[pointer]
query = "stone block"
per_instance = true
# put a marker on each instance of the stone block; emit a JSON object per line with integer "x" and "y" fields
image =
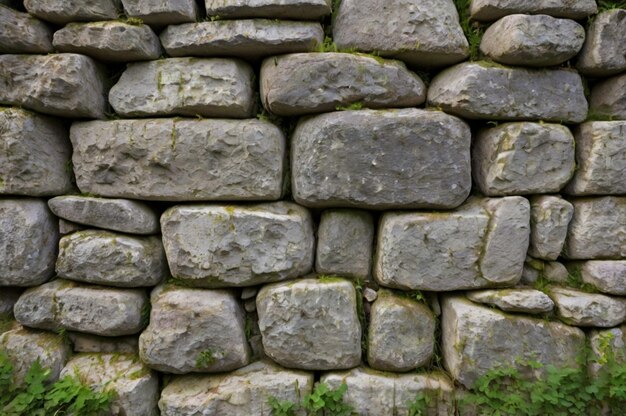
{"x": 608, "y": 276}
{"x": 61, "y": 12}
{"x": 162, "y": 12}
{"x": 578, "y": 308}
{"x": 604, "y": 52}
{"x": 22, "y": 33}
{"x": 271, "y": 9}
{"x": 549, "y": 218}
{"x": 514, "y": 300}
{"x": 488, "y": 10}
{"x": 608, "y": 98}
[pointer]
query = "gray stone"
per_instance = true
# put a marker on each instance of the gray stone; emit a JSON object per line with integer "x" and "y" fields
{"x": 109, "y": 41}
{"x": 135, "y": 387}
{"x": 426, "y": 34}
{"x": 249, "y": 292}
{"x": 480, "y": 90}
{"x": 242, "y": 392}
{"x": 608, "y": 98}
{"x": 488, "y": 10}
{"x": 95, "y": 343}
{"x": 22, "y": 33}
{"x": 65, "y": 85}
{"x": 194, "y": 330}
{"x": 549, "y": 218}
{"x": 368, "y": 159}
{"x": 608, "y": 276}
{"x": 597, "y": 230}
{"x": 306, "y": 83}
{"x": 604, "y": 52}
{"x": 223, "y": 246}
{"x": 481, "y": 244}
{"x": 554, "y": 271}
{"x": 531, "y": 272}
{"x": 369, "y": 294}
{"x": 272, "y": 9}
{"x": 66, "y": 11}
{"x": 8, "y": 297}
{"x": 514, "y": 300}
{"x": 310, "y": 324}
{"x": 162, "y": 12}
{"x": 579, "y": 308}
{"x": 75, "y": 307}
{"x": 123, "y": 215}
{"x": 111, "y": 259}
{"x": 601, "y": 159}
{"x": 477, "y": 339}
{"x": 344, "y": 243}
{"x": 401, "y": 334}
{"x": 213, "y": 87}
{"x": 523, "y": 158}
{"x": 605, "y": 344}
{"x": 250, "y": 39}
{"x": 28, "y": 242}
{"x": 68, "y": 227}
{"x": 180, "y": 160}
{"x": 35, "y": 154}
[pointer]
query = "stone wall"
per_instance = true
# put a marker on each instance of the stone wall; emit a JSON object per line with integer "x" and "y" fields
{"x": 231, "y": 200}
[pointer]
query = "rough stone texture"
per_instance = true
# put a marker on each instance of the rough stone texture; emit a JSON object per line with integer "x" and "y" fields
{"x": 162, "y": 12}
{"x": 194, "y": 330}
{"x": 523, "y": 158}
{"x": 608, "y": 276}
{"x": 549, "y": 218}
{"x": 34, "y": 154}
{"x": 95, "y": 343}
{"x": 369, "y": 159}
{"x": 604, "y": 52}
{"x": 186, "y": 87}
{"x": 68, "y": 227}
{"x": 95, "y": 310}
{"x": 111, "y": 259}
{"x": 426, "y": 34}
{"x": 180, "y": 160}
{"x": 514, "y": 300}
{"x": 555, "y": 272}
{"x": 479, "y": 90}
{"x": 588, "y": 309}
{"x": 344, "y": 243}
{"x": 242, "y": 392}
{"x": 220, "y": 246}
{"x": 401, "y": 334}
{"x": 109, "y": 41}
{"x": 597, "y": 229}
{"x": 136, "y": 388}
{"x": 65, "y": 85}
{"x": 28, "y": 242}
{"x": 310, "y": 324}
{"x": 608, "y": 98}
{"x": 488, "y": 10}
{"x": 22, "y": 33}
{"x": 601, "y": 159}
{"x": 123, "y": 215}
{"x": 477, "y": 339}
{"x": 272, "y": 9}
{"x": 374, "y": 393}
{"x": 482, "y": 244}
{"x": 8, "y": 297}
{"x": 249, "y": 39}
{"x": 604, "y": 342}
{"x": 306, "y": 83}
{"x": 66, "y": 11}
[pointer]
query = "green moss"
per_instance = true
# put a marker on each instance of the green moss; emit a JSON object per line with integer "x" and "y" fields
{"x": 205, "y": 358}
{"x": 330, "y": 279}
{"x": 6, "y": 322}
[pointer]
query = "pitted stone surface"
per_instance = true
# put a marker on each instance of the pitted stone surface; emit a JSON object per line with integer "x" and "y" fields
{"x": 608, "y": 98}
{"x": 579, "y": 308}
{"x": 608, "y": 276}
{"x": 487, "y": 10}
{"x": 369, "y": 159}
{"x": 549, "y": 218}
{"x": 272, "y": 9}
{"x": 66, "y": 11}
{"x": 179, "y": 160}
{"x": 514, "y": 300}
{"x": 162, "y": 12}
{"x": 22, "y": 33}
{"x": 604, "y": 52}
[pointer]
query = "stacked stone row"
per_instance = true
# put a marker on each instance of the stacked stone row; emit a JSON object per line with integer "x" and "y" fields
{"x": 257, "y": 279}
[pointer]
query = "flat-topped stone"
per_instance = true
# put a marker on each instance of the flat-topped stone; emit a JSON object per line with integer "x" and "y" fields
{"x": 608, "y": 98}
{"x": 549, "y": 218}
{"x": 579, "y": 308}
{"x": 608, "y": 276}
{"x": 23, "y": 33}
{"x": 488, "y": 10}
{"x": 604, "y": 52}
{"x": 514, "y": 300}
{"x": 66, "y": 11}
{"x": 163, "y": 12}
{"x": 271, "y": 9}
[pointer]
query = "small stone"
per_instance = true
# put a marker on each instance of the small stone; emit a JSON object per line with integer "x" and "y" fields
{"x": 310, "y": 324}
{"x": 272, "y": 9}
{"x": 22, "y": 33}
{"x": 162, "y": 12}
{"x": 608, "y": 98}
{"x": 604, "y": 52}
{"x": 531, "y": 272}
{"x": 514, "y": 300}
{"x": 122, "y": 215}
{"x": 608, "y": 276}
{"x": 8, "y": 297}
{"x": 489, "y": 10}
{"x": 555, "y": 272}
{"x": 370, "y": 294}
{"x": 68, "y": 227}
{"x": 66, "y": 11}
{"x": 605, "y": 343}
{"x": 250, "y": 305}
{"x": 549, "y": 218}
{"x": 212, "y": 87}
{"x": 249, "y": 292}
{"x": 588, "y": 309}
{"x": 194, "y": 330}
{"x": 94, "y": 343}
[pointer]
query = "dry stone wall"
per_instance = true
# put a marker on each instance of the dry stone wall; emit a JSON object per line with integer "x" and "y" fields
{"x": 224, "y": 202}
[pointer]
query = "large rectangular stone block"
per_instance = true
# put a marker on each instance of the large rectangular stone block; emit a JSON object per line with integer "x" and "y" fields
{"x": 604, "y": 52}
{"x": 66, "y": 11}
{"x": 271, "y": 9}
{"x": 22, "y": 33}
{"x": 162, "y": 12}
{"x": 488, "y": 10}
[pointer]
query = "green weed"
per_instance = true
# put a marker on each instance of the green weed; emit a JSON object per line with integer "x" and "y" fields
{"x": 353, "y": 106}
{"x": 473, "y": 31}
{"x": 205, "y": 358}
{"x": 323, "y": 401}
{"x": 282, "y": 407}
{"x": 604, "y": 5}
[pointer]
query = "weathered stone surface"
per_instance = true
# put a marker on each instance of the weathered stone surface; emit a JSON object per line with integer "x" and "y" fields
{"x": 368, "y": 159}
{"x": 601, "y": 159}
{"x": 480, "y": 90}
{"x": 22, "y": 33}
{"x": 194, "y": 330}
{"x": 597, "y": 229}
{"x": 65, "y": 85}
{"x": 306, "y": 83}
{"x": 477, "y": 339}
{"x": 608, "y": 98}
{"x": 8, "y": 297}
{"x": 554, "y": 271}
{"x": 604, "y": 52}
{"x": 401, "y": 334}
{"x": 523, "y": 158}
{"x": 95, "y": 343}
{"x": 249, "y": 39}
{"x": 514, "y": 300}
{"x": 213, "y": 87}
{"x": 481, "y": 244}
{"x": 310, "y": 324}
{"x": 135, "y": 387}
{"x": 180, "y": 160}
{"x": 111, "y": 259}
{"x": 344, "y": 243}
{"x": 588, "y": 309}
{"x": 605, "y": 343}
{"x": 163, "y": 12}
{"x": 34, "y": 154}
{"x": 66, "y": 11}
{"x": 28, "y": 242}
{"x": 242, "y": 392}
{"x": 527, "y": 40}
{"x": 487, "y": 10}
{"x": 272, "y": 9}
{"x": 69, "y": 305}
{"x": 549, "y": 218}
{"x": 426, "y": 34}
{"x": 608, "y": 276}
{"x": 109, "y": 41}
